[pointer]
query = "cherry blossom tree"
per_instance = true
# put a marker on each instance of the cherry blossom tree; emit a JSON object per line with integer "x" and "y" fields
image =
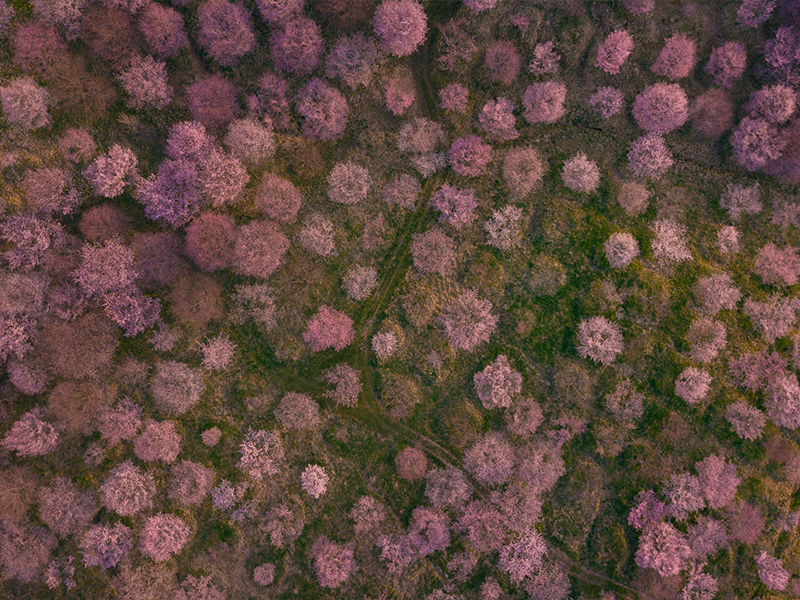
{"x": 693, "y": 385}
{"x": 524, "y": 417}
{"x": 677, "y": 58}
{"x": 218, "y": 353}
{"x": 347, "y": 382}
{"x": 298, "y": 411}
{"x": 545, "y": 59}
{"x": 485, "y": 526}
{"x": 614, "y": 51}
{"x": 397, "y": 551}
{"x": 276, "y": 12}
{"x": 782, "y": 402}
{"x": 712, "y": 112}
{"x": 447, "y": 488}
{"x": 251, "y": 142}
{"x": 261, "y": 451}
{"x": 778, "y": 266}
{"x": 649, "y": 156}
{"x": 278, "y": 198}
{"x": 428, "y": 530}
{"x": 454, "y": 97}
{"x": 456, "y": 205}
{"x": 190, "y": 483}
{"x": 329, "y": 328}
{"x": 607, "y": 101}
{"x": 25, "y": 103}
{"x": 259, "y": 249}
{"x": 773, "y": 317}
{"x": 663, "y": 548}
{"x": 771, "y": 572}
{"x": 621, "y": 249}
{"x": 348, "y": 183}
{"x": 625, "y": 402}
{"x": 399, "y": 94}
{"x": 599, "y": 340}
{"x": 400, "y": 26}
{"x": 323, "y": 109}
{"x": 660, "y": 108}
{"x": 264, "y": 574}
{"x": 65, "y": 508}
{"x": 746, "y": 421}
{"x": 717, "y": 292}
{"x": 498, "y": 121}
{"x": 581, "y": 174}
{"x": 404, "y": 190}
{"x": 504, "y": 228}
{"x": 145, "y": 81}
{"x": 498, "y": 384}
{"x": 706, "y": 338}
{"x": 111, "y": 172}
{"x": 163, "y": 536}
{"x": 544, "y": 102}
{"x": 411, "y": 463}
{"x": 775, "y": 104}
{"x": 384, "y": 344}
{"x": 213, "y": 100}
{"x": 31, "y": 436}
{"x": 467, "y": 321}
{"x": 353, "y": 59}
{"x": 163, "y": 29}
{"x": 158, "y": 441}
{"x": 176, "y": 387}
{"x": 756, "y": 143}
{"x": 727, "y": 63}
{"x": 333, "y": 563}
{"x": 752, "y": 13}
{"x": 523, "y": 557}
{"x": 106, "y": 545}
{"x": 502, "y": 62}
{"x": 685, "y": 495}
{"x": 669, "y": 243}
{"x": 469, "y": 156}
{"x": 128, "y": 490}
{"x": 718, "y": 480}
{"x": 314, "y": 481}
{"x": 368, "y": 514}
{"x": 522, "y": 171}
{"x": 297, "y": 46}
{"x": 210, "y": 239}
{"x": 741, "y": 200}
{"x": 490, "y": 459}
